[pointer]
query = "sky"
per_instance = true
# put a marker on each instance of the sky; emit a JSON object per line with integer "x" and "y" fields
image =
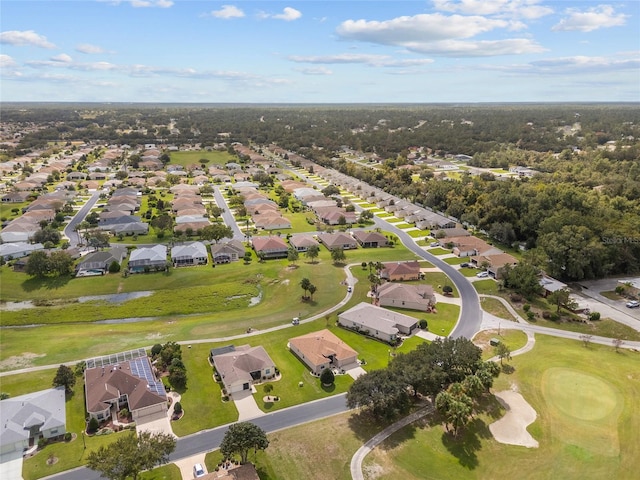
{"x": 329, "y": 51}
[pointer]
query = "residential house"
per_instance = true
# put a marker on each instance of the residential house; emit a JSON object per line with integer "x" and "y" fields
{"x": 377, "y": 322}
{"x": 468, "y": 246}
{"x": 124, "y": 380}
{"x": 98, "y": 263}
{"x": 302, "y": 242}
{"x": 10, "y": 251}
{"x": 144, "y": 259}
{"x": 242, "y": 366}
{"x": 270, "y": 247}
{"x": 336, "y": 216}
{"x": 370, "y": 239}
{"x": 411, "y": 297}
{"x": 189, "y": 254}
{"x": 337, "y": 240}
{"x": 322, "y": 349}
{"x": 15, "y": 197}
{"x": 271, "y": 222}
{"x": 401, "y": 271}
{"x": 550, "y": 285}
{"x": 227, "y": 252}
{"x": 26, "y": 419}
{"x": 494, "y": 263}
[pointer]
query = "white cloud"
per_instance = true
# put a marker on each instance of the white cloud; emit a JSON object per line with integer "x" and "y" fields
{"x": 141, "y": 3}
{"x": 314, "y": 71}
{"x": 288, "y": 14}
{"x": 89, "y": 49}
{"x": 227, "y": 11}
{"x": 527, "y": 9}
{"x": 602, "y": 16}
{"x": 6, "y": 61}
{"x": 25, "y": 38}
{"x": 62, "y": 58}
{"x": 578, "y": 65}
{"x": 438, "y": 34}
{"x": 371, "y": 60}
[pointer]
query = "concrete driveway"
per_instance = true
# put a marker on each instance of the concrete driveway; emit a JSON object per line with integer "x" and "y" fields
{"x": 186, "y": 465}
{"x": 246, "y": 405}
{"x": 11, "y": 466}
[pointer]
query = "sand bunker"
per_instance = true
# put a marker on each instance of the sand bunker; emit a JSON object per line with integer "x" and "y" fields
{"x": 512, "y": 428}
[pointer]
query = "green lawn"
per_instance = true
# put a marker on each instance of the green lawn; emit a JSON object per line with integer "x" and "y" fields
{"x": 456, "y": 260}
{"x": 416, "y": 233}
{"x": 495, "y": 307}
{"x": 514, "y": 339}
{"x": 571, "y": 446}
{"x": 192, "y": 158}
{"x": 438, "y": 250}
{"x": 402, "y": 225}
{"x": 486, "y": 286}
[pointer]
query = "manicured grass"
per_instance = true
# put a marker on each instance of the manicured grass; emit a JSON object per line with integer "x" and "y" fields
{"x": 165, "y": 472}
{"x": 192, "y": 158}
{"x": 514, "y": 339}
{"x": 425, "y": 264}
{"x": 416, "y": 233}
{"x": 438, "y": 250}
{"x": 386, "y": 215}
{"x": 393, "y": 220}
{"x": 573, "y": 444}
{"x": 486, "y": 286}
{"x": 402, "y": 225}
{"x": 495, "y": 307}
{"x": 469, "y": 272}
{"x": 611, "y": 295}
{"x": 437, "y": 280}
{"x": 456, "y": 260}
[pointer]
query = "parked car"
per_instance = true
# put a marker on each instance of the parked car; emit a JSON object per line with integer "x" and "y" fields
{"x": 435, "y": 244}
{"x": 198, "y": 471}
{"x": 482, "y": 275}
{"x": 633, "y": 304}
{"x": 465, "y": 264}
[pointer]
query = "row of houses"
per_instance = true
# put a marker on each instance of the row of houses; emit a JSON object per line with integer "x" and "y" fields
{"x": 158, "y": 257}
{"x": 276, "y": 247}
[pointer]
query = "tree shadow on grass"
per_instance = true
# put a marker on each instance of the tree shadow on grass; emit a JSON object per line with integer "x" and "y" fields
{"x": 50, "y": 283}
{"x": 328, "y": 388}
{"x": 468, "y": 442}
{"x": 365, "y": 425}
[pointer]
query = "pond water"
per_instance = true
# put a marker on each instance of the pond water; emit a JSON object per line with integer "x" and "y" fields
{"x": 113, "y": 298}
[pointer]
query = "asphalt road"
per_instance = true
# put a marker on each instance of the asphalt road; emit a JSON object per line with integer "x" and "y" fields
{"x": 70, "y": 229}
{"x": 227, "y": 216}
{"x": 208, "y": 440}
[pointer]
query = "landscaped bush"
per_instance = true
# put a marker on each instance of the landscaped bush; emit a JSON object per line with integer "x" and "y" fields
{"x": 177, "y": 408}
{"x": 594, "y": 316}
{"x": 423, "y": 324}
{"x": 546, "y": 315}
{"x": 554, "y": 317}
{"x": 93, "y": 425}
{"x": 327, "y": 377}
{"x": 526, "y": 307}
{"x": 516, "y": 297}
{"x": 67, "y": 437}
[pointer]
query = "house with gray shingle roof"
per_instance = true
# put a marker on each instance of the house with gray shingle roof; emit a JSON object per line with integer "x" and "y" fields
{"x": 188, "y": 254}
{"x": 148, "y": 258}
{"x": 226, "y": 252}
{"x": 410, "y": 297}
{"x": 27, "y": 418}
{"x": 377, "y": 322}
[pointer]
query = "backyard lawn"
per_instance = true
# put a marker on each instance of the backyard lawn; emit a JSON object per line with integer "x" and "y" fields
{"x": 192, "y": 158}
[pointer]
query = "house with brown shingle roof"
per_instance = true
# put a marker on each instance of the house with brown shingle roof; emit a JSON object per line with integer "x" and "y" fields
{"x": 320, "y": 350}
{"x": 401, "y": 271}
{"x": 337, "y": 240}
{"x": 123, "y": 380}
{"x": 370, "y": 239}
{"x": 495, "y": 263}
{"x": 411, "y": 297}
{"x": 270, "y": 247}
{"x": 302, "y": 242}
{"x": 243, "y": 366}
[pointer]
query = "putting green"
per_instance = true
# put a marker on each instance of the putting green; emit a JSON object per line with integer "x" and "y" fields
{"x": 578, "y": 395}
{"x": 583, "y": 409}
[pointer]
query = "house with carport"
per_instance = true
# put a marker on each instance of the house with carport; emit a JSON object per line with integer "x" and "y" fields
{"x": 323, "y": 349}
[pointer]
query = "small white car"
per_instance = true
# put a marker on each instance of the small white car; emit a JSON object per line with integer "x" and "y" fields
{"x": 482, "y": 275}
{"x": 633, "y": 304}
{"x": 198, "y": 471}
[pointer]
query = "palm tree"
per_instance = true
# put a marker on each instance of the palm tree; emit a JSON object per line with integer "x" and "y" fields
{"x": 305, "y": 283}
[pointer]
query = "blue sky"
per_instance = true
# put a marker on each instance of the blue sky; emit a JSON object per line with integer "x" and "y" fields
{"x": 319, "y": 51}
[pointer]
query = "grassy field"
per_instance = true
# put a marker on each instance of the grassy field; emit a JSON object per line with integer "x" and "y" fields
{"x": 192, "y": 158}
{"x": 514, "y": 339}
{"x": 495, "y": 307}
{"x": 571, "y": 447}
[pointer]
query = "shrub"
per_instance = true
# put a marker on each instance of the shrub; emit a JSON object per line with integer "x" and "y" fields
{"x": 530, "y": 315}
{"x": 594, "y": 316}
{"x": 526, "y": 307}
{"x": 114, "y": 267}
{"x": 93, "y": 425}
{"x": 554, "y": 317}
{"x": 67, "y": 437}
{"x": 423, "y": 324}
{"x": 42, "y": 443}
{"x": 546, "y": 315}
{"x": 516, "y": 297}
{"x": 327, "y": 377}
{"x": 177, "y": 408}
